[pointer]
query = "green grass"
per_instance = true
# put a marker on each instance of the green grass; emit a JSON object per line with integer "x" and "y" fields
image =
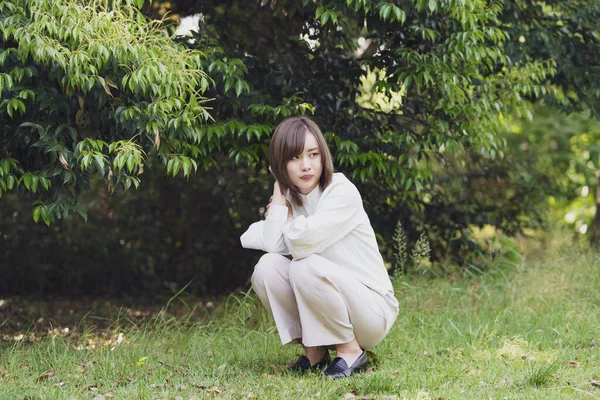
{"x": 530, "y": 331}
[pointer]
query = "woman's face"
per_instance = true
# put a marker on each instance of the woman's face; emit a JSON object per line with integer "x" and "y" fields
{"x": 305, "y": 169}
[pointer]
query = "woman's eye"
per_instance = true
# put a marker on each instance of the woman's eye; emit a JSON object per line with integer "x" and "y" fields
{"x": 295, "y": 158}
{"x": 314, "y": 154}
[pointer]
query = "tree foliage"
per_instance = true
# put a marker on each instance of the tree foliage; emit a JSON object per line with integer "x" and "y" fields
{"x": 567, "y": 32}
{"x": 93, "y": 88}
{"x": 445, "y": 59}
{"x": 414, "y": 97}
{"x": 398, "y": 90}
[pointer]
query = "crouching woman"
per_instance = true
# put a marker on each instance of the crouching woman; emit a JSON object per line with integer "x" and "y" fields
{"x": 335, "y": 290}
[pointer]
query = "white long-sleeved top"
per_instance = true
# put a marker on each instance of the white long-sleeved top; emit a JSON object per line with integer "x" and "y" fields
{"x": 332, "y": 224}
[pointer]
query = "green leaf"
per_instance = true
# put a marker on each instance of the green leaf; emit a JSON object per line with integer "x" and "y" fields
{"x": 228, "y": 84}
{"x": 36, "y": 213}
{"x": 186, "y": 167}
{"x": 130, "y": 164}
{"x": 176, "y": 166}
{"x": 27, "y": 181}
{"x": 34, "y": 183}
{"x": 385, "y": 10}
{"x": 432, "y": 5}
{"x": 45, "y": 182}
{"x": 10, "y": 182}
{"x": 239, "y": 87}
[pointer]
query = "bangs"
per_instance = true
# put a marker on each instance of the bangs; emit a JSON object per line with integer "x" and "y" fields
{"x": 293, "y": 142}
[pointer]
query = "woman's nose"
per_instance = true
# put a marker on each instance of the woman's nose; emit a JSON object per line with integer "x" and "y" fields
{"x": 305, "y": 164}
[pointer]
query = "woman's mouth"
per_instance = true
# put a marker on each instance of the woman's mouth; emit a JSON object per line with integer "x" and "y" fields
{"x": 306, "y": 177}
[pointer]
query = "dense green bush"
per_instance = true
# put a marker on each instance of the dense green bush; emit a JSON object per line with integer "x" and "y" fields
{"x": 413, "y": 98}
{"x": 168, "y": 233}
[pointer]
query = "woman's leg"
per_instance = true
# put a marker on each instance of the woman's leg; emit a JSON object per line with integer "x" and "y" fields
{"x": 336, "y": 309}
{"x": 271, "y": 283}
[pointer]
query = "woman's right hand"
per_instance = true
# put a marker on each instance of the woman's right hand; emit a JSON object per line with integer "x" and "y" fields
{"x": 277, "y": 197}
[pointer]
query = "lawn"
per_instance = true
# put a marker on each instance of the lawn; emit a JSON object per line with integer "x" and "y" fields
{"x": 529, "y": 330}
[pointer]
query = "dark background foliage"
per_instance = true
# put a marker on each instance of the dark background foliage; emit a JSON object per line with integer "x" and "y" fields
{"x": 417, "y": 167}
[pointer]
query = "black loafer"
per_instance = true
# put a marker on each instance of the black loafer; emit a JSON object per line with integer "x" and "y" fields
{"x": 339, "y": 368}
{"x": 303, "y": 364}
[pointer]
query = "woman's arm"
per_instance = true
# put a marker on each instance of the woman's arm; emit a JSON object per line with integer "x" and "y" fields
{"x": 267, "y": 235}
{"x": 337, "y": 215}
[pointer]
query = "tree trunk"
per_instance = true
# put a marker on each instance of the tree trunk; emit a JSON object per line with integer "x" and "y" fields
{"x": 596, "y": 233}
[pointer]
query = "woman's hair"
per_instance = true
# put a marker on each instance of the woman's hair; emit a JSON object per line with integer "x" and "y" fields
{"x": 288, "y": 142}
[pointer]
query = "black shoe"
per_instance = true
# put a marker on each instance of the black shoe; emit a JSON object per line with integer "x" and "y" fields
{"x": 339, "y": 368}
{"x": 303, "y": 364}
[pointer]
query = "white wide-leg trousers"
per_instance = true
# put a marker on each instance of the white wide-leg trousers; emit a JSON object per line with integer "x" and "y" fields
{"x": 320, "y": 303}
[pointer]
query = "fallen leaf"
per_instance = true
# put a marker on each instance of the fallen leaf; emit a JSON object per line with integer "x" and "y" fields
{"x": 99, "y": 397}
{"x": 501, "y": 383}
{"x": 215, "y": 389}
{"x": 574, "y": 364}
{"x": 369, "y": 370}
{"x": 90, "y": 387}
{"x": 348, "y": 396}
{"x": 209, "y": 389}
{"x": 109, "y": 394}
{"x": 595, "y": 384}
{"x": 87, "y": 366}
{"x": 182, "y": 387}
{"x": 540, "y": 331}
{"x": 278, "y": 367}
{"x": 46, "y": 375}
{"x": 178, "y": 398}
{"x": 59, "y": 384}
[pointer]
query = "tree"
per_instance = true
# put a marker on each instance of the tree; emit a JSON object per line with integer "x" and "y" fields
{"x": 93, "y": 88}
{"x": 410, "y": 94}
{"x": 567, "y": 32}
{"x": 398, "y": 88}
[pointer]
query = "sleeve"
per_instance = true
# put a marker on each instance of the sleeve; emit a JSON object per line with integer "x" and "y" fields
{"x": 336, "y": 216}
{"x": 267, "y": 235}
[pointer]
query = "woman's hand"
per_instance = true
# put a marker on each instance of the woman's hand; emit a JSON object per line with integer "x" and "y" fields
{"x": 280, "y": 199}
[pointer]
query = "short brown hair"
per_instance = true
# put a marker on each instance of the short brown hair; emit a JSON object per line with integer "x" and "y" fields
{"x": 287, "y": 142}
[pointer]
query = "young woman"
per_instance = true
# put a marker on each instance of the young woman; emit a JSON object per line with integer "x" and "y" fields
{"x": 335, "y": 290}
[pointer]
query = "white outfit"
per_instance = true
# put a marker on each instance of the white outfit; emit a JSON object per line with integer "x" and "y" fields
{"x": 336, "y": 287}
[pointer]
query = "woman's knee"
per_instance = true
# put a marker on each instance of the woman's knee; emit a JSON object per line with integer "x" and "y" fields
{"x": 268, "y": 265}
{"x": 305, "y": 272}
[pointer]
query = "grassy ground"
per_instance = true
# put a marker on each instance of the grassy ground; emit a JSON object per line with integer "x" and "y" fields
{"x": 530, "y": 331}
